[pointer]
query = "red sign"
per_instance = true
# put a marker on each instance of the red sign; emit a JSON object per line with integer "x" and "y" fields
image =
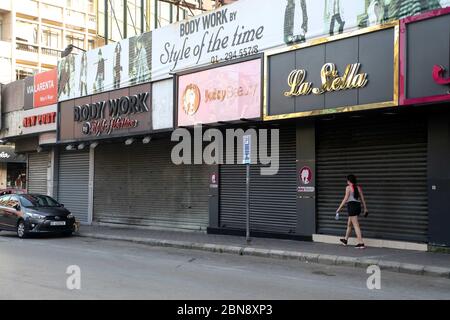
{"x": 40, "y": 119}
{"x": 438, "y": 75}
{"x": 45, "y": 88}
{"x": 305, "y": 175}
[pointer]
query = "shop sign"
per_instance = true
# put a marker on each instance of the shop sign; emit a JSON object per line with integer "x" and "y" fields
{"x": 41, "y": 90}
{"x": 360, "y": 72}
{"x": 4, "y": 155}
{"x": 331, "y": 81}
{"x": 8, "y": 154}
{"x": 438, "y": 76}
{"x": 118, "y": 113}
{"x": 425, "y": 60}
{"x": 226, "y": 93}
{"x": 41, "y": 119}
{"x": 37, "y": 120}
{"x": 104, "y": 117}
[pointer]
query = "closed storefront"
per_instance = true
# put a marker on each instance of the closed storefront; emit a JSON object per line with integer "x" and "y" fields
{"x": 73, "y": 182}
{"x": 38, "y": 162}
{"x": 388, "y": 154}
{"x": 272, "y": 197}
{"x": 425, "y": 65}
{"x": 139, "y": 185}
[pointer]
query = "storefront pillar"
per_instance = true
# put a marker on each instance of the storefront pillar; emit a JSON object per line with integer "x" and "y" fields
{"x": 214, "y": 196}
{"x": 91, "y": 185}
{"x": 52, "y": 173}
{"x": 439, "y": 178}
{"x": 306, "y": 182}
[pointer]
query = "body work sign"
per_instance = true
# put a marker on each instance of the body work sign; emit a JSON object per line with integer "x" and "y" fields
{"x": 226, "y": 93}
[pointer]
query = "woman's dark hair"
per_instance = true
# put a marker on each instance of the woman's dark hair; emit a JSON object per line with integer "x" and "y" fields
{"x": 352, "y": 179}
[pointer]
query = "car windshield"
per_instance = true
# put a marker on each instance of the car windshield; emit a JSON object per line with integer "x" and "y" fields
{"x": 32, "y": 200}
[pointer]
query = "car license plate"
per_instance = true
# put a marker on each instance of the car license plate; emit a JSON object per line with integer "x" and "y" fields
{"x": 58, "y": 223}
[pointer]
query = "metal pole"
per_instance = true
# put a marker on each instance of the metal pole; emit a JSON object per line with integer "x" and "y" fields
{"x": 125, "y": 20}
{"x": 247, "y": 236}
{"x": 106, "y": 22}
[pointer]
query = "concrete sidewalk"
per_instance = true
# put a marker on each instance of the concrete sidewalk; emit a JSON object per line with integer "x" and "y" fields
{"x": 405, "y": 261}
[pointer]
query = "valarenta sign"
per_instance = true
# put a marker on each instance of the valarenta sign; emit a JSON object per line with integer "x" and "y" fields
{"x": 240, "y": 29}
{"x": 41, "y": 90}
{"x": 226, "y": 93}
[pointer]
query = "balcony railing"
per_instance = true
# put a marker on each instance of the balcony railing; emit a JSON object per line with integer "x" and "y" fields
{"x": 27, "y": 47}
{"x": 51, "y": 52}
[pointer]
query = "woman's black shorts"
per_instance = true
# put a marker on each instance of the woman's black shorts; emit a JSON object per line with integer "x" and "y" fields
{"x": 353, "y": 208}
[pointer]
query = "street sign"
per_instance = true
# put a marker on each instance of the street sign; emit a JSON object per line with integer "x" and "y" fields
{"x": 246, "y": 159}
{"x": 247, "y": 147}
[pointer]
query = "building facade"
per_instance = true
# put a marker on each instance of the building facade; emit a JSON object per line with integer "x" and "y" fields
{"x": 33, "y": 33}
{"x": 329, "y": 102}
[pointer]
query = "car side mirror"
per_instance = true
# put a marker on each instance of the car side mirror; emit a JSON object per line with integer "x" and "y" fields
{"x": 17, "y": 207}
{"x": 61, "y": 205}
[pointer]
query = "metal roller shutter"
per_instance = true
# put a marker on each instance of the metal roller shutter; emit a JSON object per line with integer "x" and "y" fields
{"x": 139, "y": 185}
{"x": 273, "y": 207}
{"x": 389, "y": 157}
{"x": 37, "y": 172}
{"x": 73, "y": 183}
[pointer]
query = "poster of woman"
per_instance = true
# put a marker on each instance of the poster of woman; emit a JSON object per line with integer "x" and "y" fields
{"x": 295, "y": 21}
{"x": 140, "y": 56}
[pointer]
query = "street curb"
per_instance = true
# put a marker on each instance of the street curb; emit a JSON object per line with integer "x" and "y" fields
{"x": 306, "y": 257}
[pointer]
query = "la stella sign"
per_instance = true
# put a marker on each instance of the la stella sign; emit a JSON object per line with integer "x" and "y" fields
{"x": 331, "y": 81}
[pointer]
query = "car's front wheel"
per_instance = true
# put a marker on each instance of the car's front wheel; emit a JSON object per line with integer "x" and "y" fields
{"x": 21, "y": 230}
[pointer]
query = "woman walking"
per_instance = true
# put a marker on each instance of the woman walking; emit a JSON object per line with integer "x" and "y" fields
{"x": 353, "y": 197}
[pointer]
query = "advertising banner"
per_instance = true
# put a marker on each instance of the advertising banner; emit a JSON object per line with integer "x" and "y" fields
{"x": 425, "y": 58}
{"x": 119, "y": 65}
{"x": 226, "y": 93}
{"x": 359, "y": 71}
{"x": 247, "y": 27}
{"x": 243, "y": 28}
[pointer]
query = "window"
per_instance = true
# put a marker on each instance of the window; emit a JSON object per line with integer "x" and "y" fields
{"x": 75, "y": 39}
{"x": 26, "y": 32}
{"x": 4, "y": 200}
{"x": 11, "y": 201}
{"x": 91, "y": 44}
{"x": 34, "y": 200}
{"x": 51, "y": 37}
{"x": 91, "y": 6}
{"x": 16, "y": 175}
{"x": 22, "y": 72}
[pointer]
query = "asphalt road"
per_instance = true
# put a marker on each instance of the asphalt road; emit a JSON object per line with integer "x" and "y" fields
{"x": 36, "y": 269}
